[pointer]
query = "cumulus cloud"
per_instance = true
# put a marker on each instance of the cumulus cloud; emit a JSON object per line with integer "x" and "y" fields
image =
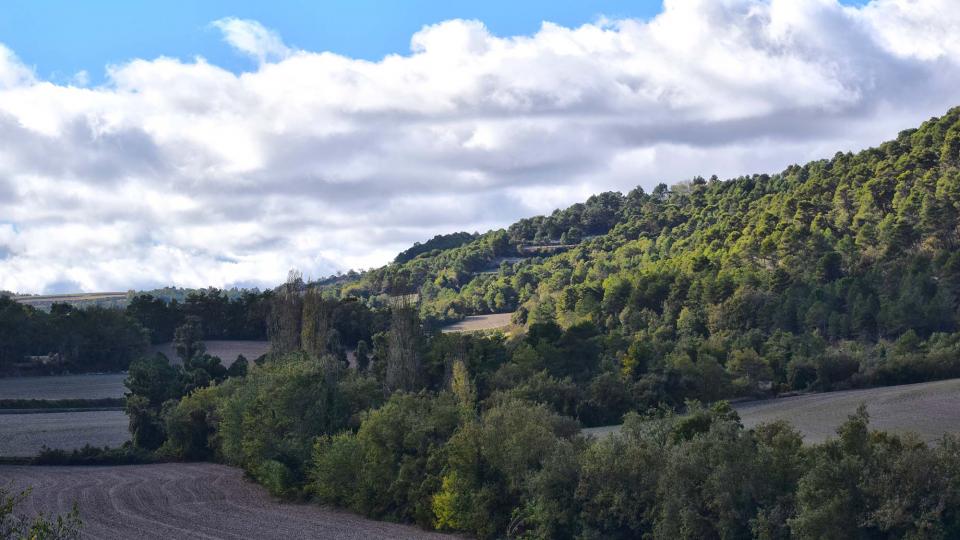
{"x": 186, "y": 173}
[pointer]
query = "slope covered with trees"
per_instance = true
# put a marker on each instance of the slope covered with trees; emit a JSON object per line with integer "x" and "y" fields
{"x": 840, "y": 272}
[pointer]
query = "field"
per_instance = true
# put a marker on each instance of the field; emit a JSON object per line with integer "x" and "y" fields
{"x": 927, "y": 409}
{"x": 184, "y": 500}
{"x": 226, "y": 350}
{"x": 78, "y": 299}
{"x": 22, "y": 435}
{"x": 481, "y": 322}
{"x": 106, "y": 385}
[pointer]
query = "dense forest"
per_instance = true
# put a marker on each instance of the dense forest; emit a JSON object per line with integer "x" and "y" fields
{"x": 633, "y": 309}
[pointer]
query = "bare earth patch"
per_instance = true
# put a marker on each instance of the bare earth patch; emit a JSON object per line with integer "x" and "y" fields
{"x": 928, "y": 409}
{"x": 22, "y": 435}
{"x": 185, "y": 500}
{"x": 96, "y": 386}
{"x": 476, "y": 323}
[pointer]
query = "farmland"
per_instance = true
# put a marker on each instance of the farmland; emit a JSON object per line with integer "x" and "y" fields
{"x": 107, "y": 299}
{"x": 477, "y": 323}
{"x": 226, "y": 350}
{"x": 104, "y": 385}
{"x": 184, "y": 500}
{"x": 22, "y": 435}
{"x": 927, "y": 409}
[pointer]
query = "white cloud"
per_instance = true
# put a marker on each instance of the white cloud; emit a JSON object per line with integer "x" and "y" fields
{"x": 188, "y": 174}
{"x": 252, "y": 38}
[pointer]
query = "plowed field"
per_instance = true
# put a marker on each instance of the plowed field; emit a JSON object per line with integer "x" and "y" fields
{"x": 184, "y": 500}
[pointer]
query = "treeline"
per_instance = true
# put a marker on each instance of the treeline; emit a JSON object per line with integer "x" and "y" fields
{"x": 240, "y": 315}
{"x": 91, "y": 339}
{"x": 107, "y": 339}
{"x": 436, "y": 244}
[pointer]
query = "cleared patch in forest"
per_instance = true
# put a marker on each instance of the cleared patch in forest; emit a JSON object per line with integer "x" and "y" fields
{"x": 928, "y": 409}
{"x": 184, "y": 500}
{"x": 476, "y": 323}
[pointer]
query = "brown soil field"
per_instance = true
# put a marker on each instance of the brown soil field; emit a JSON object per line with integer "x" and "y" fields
{"x": 94, "y": 386}
{"x": 928, "y": 409}
{"x": 184, "y": 500}
{"x": 480, "y": 322}
{"x": 226, "y": 350}
{"x": 22, "y": 435}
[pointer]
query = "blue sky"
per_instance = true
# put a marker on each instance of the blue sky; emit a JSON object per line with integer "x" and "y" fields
{"x": 59, "y": 38}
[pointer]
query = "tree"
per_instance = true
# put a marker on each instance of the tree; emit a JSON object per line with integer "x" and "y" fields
{"x": 188, "y": 339}
{"x": 151, "y": 382}
{"x": 404, "y": 370}
{"x": 363, "y": 356}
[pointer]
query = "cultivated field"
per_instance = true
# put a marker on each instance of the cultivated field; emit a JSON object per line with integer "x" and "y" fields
{"x": 480, "y": 322}
{"x": 185, "y": 500}
{"x": 118, "y": 299}
{"x": 225, "y": 350}
{"x": 927, "y": 409}
{"x": 22, "y": 435}
{"x": 106, "y": 385}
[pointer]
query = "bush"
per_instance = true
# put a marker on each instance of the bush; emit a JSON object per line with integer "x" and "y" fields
{"x": 92, "y": 455}
{"x": 392, "y": 466}
{"x": 273, "y": 415}
{"x": 489, "y": 462}
{"x": 191, "y": 425}
{"x": 40, "y": 527}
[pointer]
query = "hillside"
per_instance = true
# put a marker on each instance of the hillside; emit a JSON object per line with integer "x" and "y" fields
{"x": 840, "y": 272}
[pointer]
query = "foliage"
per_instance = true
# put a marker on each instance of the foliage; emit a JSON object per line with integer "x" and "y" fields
{"x": 79, "y": 403}
{"x": 267, "y": 421}
{"x": 40, "y": 527}
{"x": 391, "y": 466}
{"x": 437, "y": 243}
{"x": 127, "y": 454}
{"x": 91, "y": 339}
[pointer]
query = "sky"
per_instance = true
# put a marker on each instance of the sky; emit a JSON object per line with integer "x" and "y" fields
{"x": 223, "y": 143}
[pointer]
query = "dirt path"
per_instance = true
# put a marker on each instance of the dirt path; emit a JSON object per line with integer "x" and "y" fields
{"x": 185, "y": 500}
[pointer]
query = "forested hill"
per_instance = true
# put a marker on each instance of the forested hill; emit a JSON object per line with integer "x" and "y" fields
{"x": 824, "y": 258}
